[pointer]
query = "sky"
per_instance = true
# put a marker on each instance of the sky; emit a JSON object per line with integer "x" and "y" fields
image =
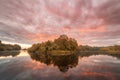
{"x": 90, "y": 22}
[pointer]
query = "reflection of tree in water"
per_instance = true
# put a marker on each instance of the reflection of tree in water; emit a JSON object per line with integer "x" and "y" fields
{"x": 64, "y": 62}
{"x": 43, "y": 58}
{"x": 89, "y": 53}
{"x": 9, "y": 53}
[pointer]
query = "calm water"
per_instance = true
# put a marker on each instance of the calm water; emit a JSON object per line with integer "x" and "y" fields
{"x": 22, "y": 66}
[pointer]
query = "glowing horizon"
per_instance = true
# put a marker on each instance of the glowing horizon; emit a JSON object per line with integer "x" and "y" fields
{"x": 22, "y": 45}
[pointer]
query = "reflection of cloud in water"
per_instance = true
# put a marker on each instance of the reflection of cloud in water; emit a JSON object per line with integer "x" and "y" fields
{"x": 109, "y": 61}
{"x": 34, "y": 65}
{"x": 106, "y": 75}
{"x": 23, "y": 68}
{"x": 6, "y": 61}
{"x": 100, "y": 59}
{"x": 5, "y": 57}
{"x": 63, "y": 62}
{"x": 23, "y": 53}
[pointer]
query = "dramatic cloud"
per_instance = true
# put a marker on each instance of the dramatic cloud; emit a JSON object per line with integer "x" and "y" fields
{"x": 92, "y": 22}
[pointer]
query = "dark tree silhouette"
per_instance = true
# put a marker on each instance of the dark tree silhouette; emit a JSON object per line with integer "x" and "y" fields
{"x": 8, "y": 47}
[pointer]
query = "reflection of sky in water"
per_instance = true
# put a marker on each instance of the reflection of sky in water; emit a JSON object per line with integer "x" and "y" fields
{"x": 23, "y": 53}
{"x": 89, "y": 68}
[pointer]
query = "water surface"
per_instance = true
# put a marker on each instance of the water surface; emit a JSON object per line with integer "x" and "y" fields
{"x": 70, "y": 67}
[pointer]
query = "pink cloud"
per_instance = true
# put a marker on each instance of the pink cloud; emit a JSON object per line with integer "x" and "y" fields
{"x": 36, "y": 21}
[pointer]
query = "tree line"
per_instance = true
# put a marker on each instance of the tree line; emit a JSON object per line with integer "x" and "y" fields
{"x": 107, "y": 48}
{"x": 9, "y": 47}
{"x": 64, "y": 43}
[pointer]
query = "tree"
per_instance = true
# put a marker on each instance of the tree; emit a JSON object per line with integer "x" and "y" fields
{"x": 111, "y": 48}
{"x": 66, "y": 43}
{"x": 72, "y": 44}
{"x": 9, "y": 47}
{"x": 16, "y": 47}
{"x": 0, "y": 42}
{"x": 48, "y": 45}
{"x": 34, "y": 48}
{"x": 62, "y": 43}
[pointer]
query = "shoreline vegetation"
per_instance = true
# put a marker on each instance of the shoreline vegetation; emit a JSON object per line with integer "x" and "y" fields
{"x": 9, "y": 47}
{"x": 65, "y": 46}
{"x": 62, "y": 45}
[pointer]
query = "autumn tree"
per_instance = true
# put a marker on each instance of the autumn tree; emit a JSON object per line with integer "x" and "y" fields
{"x": 62, "y": 43}
{"x": 65, "y": 43}
{"x": 48, "y": 45}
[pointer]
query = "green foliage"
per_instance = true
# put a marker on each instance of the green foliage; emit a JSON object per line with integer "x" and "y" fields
{"x": 8, "y": 47}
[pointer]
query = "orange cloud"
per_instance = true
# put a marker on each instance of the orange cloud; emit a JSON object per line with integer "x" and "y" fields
{"x": 38, "y": 37}
{"x": 87, "y": 30}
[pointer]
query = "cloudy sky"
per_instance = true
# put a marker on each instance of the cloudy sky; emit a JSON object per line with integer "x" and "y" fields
{"x": 91, "y": 22}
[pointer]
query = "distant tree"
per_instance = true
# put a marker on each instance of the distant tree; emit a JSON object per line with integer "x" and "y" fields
{"x": 0, "y": 42}
{"x": 16, "y": 47}
{"x": 8, "y": 47}
{"x": 111, "y": 48}
{"x": 87, "y": 48}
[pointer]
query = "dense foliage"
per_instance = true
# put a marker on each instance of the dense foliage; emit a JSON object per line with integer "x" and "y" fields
{"x": 87, "y": 48}
{"x": 8, "y": 47}
{"x": 111, "y": 48}
{"x": 62, "y": 43}
{"x": 108, "y": 48}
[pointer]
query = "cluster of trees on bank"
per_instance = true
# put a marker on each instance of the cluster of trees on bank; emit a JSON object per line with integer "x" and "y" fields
{"x": 9, "y": 47}
{"x": 111, "y": 48}
{"x": 87, "y": 48}
{"x": 63, "y": 43}
{"x": 108, "y": 48}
